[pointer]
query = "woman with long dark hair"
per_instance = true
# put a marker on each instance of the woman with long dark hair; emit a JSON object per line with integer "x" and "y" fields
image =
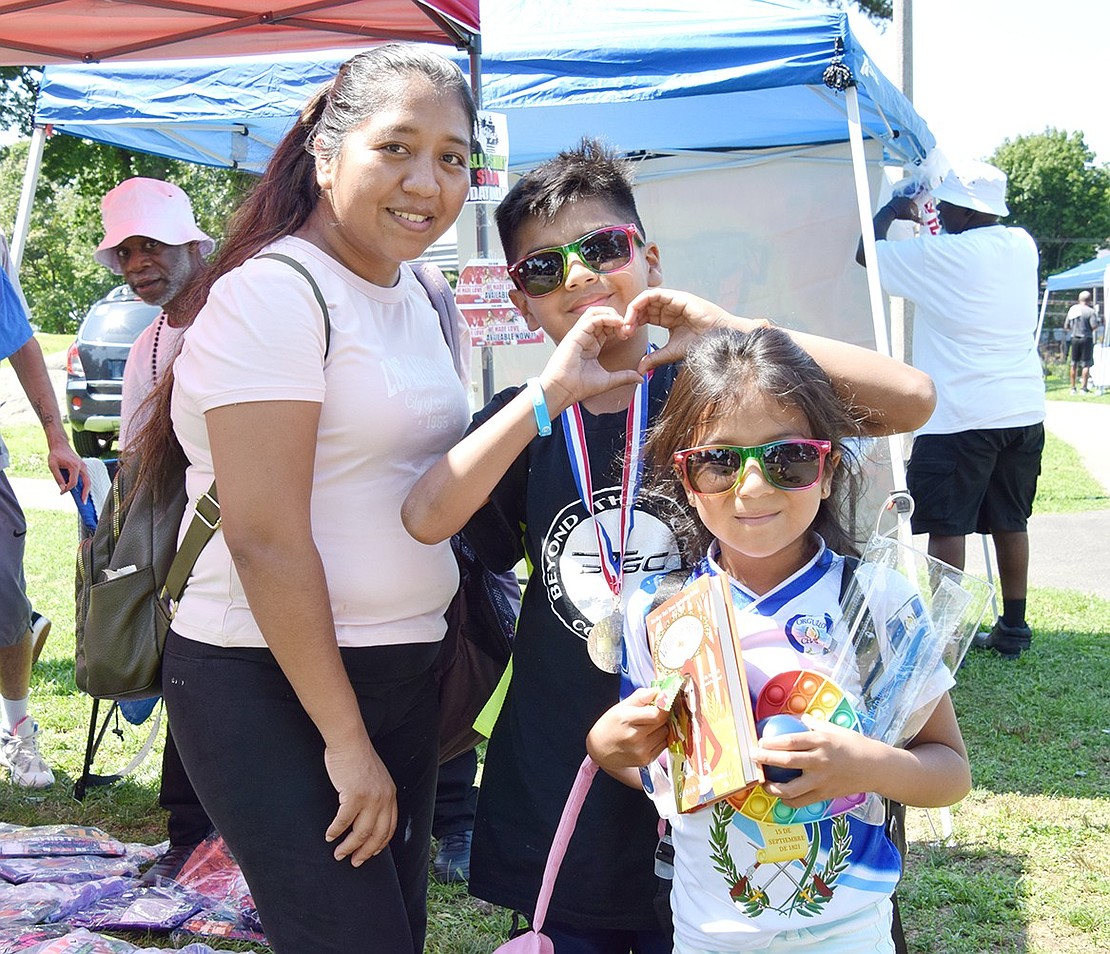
{"x": 297, "y": 670}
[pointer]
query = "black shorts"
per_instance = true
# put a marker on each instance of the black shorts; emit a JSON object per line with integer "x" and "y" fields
{"x": 1083, "y": 352}
{"x": 975, "y": 481}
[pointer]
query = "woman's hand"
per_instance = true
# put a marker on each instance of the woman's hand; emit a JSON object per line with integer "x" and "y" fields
{"x": 834, "y": 762}
{"x": 632, "y": 733}
{"x": 573, "y": 372}
{"x": 367, "y": 801}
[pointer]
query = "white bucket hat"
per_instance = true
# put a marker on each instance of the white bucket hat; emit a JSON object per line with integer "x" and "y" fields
{"x": 151, "y": 208}
{"x": 974, "y": 185}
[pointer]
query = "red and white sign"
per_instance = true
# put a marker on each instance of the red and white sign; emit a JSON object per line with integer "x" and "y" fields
{"x": 482, "y": 294}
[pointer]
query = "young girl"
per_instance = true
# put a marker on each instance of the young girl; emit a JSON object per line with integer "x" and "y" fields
{"x": 753, "y": 432}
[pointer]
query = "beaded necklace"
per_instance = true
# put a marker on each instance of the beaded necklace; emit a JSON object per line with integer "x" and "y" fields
{"x": 154, "y": 347}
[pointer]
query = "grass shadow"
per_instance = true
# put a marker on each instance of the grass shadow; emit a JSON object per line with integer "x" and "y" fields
{"x": 962, "y": 900}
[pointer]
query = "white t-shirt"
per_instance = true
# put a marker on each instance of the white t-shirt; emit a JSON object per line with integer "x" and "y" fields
{"x": 150, "y": 355}
{"x": 392, "y": 404}
{"x": 727, "y": 895}
{"x": 974, "y": 326}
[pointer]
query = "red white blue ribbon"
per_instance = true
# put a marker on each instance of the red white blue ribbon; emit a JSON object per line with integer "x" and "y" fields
{"x": 611, "y": 558}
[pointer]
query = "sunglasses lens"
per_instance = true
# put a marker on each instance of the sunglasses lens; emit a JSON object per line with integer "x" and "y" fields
{"x": 792, "y": 465}
{"x": 713, "y": 470}
{"x": 606, "y": 250}
{"x": 788, "y": 465}
{"x": 542, "y": 273}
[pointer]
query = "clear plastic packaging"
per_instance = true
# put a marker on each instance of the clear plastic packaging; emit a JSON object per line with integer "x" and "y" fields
{"x": 908, "y": 620}
{"x": 924, "y": 176}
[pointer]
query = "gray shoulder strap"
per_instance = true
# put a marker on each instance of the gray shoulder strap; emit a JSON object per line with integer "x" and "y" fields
{"x": 319, "y": 295}
{"x": 442, "y": 300}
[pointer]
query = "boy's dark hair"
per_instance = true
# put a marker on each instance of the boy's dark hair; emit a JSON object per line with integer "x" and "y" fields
{"x": 589, "y": 171}
{"x": 721, "y": 366}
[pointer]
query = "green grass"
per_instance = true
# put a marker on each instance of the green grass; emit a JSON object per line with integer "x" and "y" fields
{"x": 50, "y": 343}
{"x": 1057, "y": 384}
{"x": 1028, "y": 869}
{"x": 27, "y": 448}
{"x": 1065, "y": 485}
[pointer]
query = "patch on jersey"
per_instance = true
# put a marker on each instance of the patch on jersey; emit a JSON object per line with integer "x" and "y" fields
{"x": 571, "y": 571}
{"x": 809, "y": 633}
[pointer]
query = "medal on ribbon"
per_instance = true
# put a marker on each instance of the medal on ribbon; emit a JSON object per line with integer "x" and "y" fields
{"x": 603, "y": 642}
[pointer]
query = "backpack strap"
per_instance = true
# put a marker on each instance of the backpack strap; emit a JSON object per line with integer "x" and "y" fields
{"x": 319, "y": 295}
{"x": 846, "y": 575}
{"x": 206, "y": 514}
{"x": 443, "y": 300}
{"x": 582, "y": 782}
{"x": 669, "y": 586}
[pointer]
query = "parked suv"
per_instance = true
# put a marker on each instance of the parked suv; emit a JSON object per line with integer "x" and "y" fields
{"x": 94, "y": 368}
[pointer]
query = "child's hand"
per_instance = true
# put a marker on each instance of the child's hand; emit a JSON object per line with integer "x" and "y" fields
{"x": 632, "y": 733}
{"x": 684, "y": 315}
{"x": 834, "y": 762}
{"x": 574, "y": 372}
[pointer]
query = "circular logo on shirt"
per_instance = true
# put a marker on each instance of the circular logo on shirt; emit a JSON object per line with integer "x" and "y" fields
{"x": 572, "y": 572}
{"x": 809, "y": 633}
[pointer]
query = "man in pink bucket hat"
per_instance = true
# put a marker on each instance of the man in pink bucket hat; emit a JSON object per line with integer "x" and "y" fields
{"x": 151, "y": 238}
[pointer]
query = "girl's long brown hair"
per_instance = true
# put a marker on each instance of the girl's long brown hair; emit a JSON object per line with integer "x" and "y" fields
{"x": 722, "y": 365}
{"x": 284, "y": 198}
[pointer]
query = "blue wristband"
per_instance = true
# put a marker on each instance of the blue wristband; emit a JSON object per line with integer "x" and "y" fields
{"x": 539, "y": 407}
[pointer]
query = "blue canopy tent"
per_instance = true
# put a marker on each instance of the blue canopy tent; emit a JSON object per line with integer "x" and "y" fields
{"x": 697, "y": 90}
{"x": 668, "y": 77}
{"x": 1090, "y": 274}
{"x": 748, "y": 121}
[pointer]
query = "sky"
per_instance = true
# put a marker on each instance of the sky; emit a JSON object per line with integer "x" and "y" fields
{"x": 988, "y": 70}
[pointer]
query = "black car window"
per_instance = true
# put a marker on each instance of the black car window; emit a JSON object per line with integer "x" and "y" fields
{"x": 117, "y": 322}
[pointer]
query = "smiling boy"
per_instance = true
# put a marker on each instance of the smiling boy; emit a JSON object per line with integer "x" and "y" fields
{"x": 540, "y": 476}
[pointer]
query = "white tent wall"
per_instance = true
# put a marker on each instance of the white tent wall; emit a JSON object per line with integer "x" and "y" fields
{"x": 768, "y": 233}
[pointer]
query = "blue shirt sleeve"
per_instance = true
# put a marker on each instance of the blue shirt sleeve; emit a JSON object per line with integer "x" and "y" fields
{"x": 15, "y": 329}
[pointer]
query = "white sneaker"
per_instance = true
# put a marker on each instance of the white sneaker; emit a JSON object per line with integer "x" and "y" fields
{"x": 40, "y": 629}
{"x": 20, "y": 753}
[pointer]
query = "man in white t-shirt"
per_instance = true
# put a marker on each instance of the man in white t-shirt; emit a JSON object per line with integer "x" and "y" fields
{"x": 975, "y": 463}
{"x": 152, "y": 239}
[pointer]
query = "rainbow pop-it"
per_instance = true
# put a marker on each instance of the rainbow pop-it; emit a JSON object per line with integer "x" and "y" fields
{"x": 799, "y": 692}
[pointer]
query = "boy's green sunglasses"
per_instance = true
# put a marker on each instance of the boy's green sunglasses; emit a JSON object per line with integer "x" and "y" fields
{"x": 603, "y": 251}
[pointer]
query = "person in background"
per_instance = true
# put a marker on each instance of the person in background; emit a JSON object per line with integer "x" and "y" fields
{"x": 298, "y": 672}
{"x": 40, "y": 624}
{"x": 19, "y": 733}
{"x": 974, "y": 465}
{"x": 453, "y": 820}
{"x": 1079, "y": 326}
{"x": 151, "y": 238}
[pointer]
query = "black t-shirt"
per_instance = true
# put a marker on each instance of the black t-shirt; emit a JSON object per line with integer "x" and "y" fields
{"x": 607, "y": 879}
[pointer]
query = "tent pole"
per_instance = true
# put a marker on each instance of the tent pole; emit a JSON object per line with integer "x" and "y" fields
{"x": 874, "y": 290}
{"x": 482, "y": 223}
{"x": 1040, "y": 320}
{"x": 27, "y": 196}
